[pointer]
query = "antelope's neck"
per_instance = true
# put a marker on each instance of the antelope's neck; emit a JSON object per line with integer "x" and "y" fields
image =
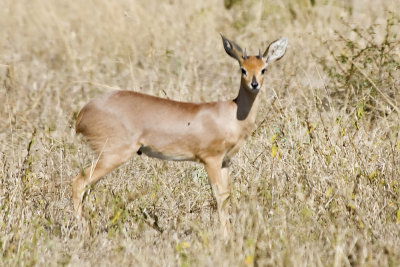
{"x": 247, "y": 105}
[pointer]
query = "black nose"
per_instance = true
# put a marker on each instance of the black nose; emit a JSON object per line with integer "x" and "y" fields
{"x": 254, "y": 82}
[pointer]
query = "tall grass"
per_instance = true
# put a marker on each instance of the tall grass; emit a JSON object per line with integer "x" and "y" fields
{"x": 316, "y": 184}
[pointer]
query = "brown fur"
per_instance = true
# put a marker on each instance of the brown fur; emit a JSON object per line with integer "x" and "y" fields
{"x": 121, "y": 123}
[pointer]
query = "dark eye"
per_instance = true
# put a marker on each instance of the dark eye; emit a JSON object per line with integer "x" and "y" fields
{"x": 262, "y": 71}
{"x": 244, "y": 72}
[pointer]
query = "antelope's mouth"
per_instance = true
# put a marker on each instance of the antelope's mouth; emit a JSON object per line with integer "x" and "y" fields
{"x": 254, "y": 90}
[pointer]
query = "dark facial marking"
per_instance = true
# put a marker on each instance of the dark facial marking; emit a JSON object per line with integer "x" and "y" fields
{"x": 254, "y": 82}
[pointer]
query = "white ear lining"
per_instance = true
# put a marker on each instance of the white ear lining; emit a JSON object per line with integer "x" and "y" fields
{"x": 277, "y": 49}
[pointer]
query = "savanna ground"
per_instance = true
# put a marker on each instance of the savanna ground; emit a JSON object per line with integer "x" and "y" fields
{"x": 317, "y": 184}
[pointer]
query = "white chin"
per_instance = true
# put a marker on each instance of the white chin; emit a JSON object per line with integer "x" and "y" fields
{"x": 254, "y": 90}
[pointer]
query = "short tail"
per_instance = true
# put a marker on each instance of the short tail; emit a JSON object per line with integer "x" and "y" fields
{"x": 79, "y": 120}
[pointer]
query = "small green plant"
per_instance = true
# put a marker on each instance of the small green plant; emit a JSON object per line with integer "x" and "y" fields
{"x": 230, "y": 3}
{"x": 364, "y": 78}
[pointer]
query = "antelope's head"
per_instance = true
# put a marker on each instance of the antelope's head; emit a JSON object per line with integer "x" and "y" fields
{"x": 253, "y": 67}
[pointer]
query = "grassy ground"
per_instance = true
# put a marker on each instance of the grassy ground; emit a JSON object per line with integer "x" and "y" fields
{"x": 317, "y": 184}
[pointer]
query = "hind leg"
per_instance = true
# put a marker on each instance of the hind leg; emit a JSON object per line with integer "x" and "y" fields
{"x": 107, "y": 162}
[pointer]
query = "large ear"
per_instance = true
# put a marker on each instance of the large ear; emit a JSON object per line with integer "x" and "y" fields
{"x": 275, "y": 50}
{"x": 232, "y": 49}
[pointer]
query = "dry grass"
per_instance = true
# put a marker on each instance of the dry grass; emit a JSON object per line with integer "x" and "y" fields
{"x": 316, "y": 184}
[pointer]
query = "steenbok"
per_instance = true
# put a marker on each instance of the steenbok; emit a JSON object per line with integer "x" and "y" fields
{"x": 122, "y": 123}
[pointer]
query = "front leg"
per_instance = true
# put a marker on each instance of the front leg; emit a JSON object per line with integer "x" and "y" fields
{"x": 218, "y": 175}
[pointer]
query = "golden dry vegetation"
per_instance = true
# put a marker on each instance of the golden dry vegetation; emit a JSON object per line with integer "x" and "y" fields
{"x": 317, "y": 184}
